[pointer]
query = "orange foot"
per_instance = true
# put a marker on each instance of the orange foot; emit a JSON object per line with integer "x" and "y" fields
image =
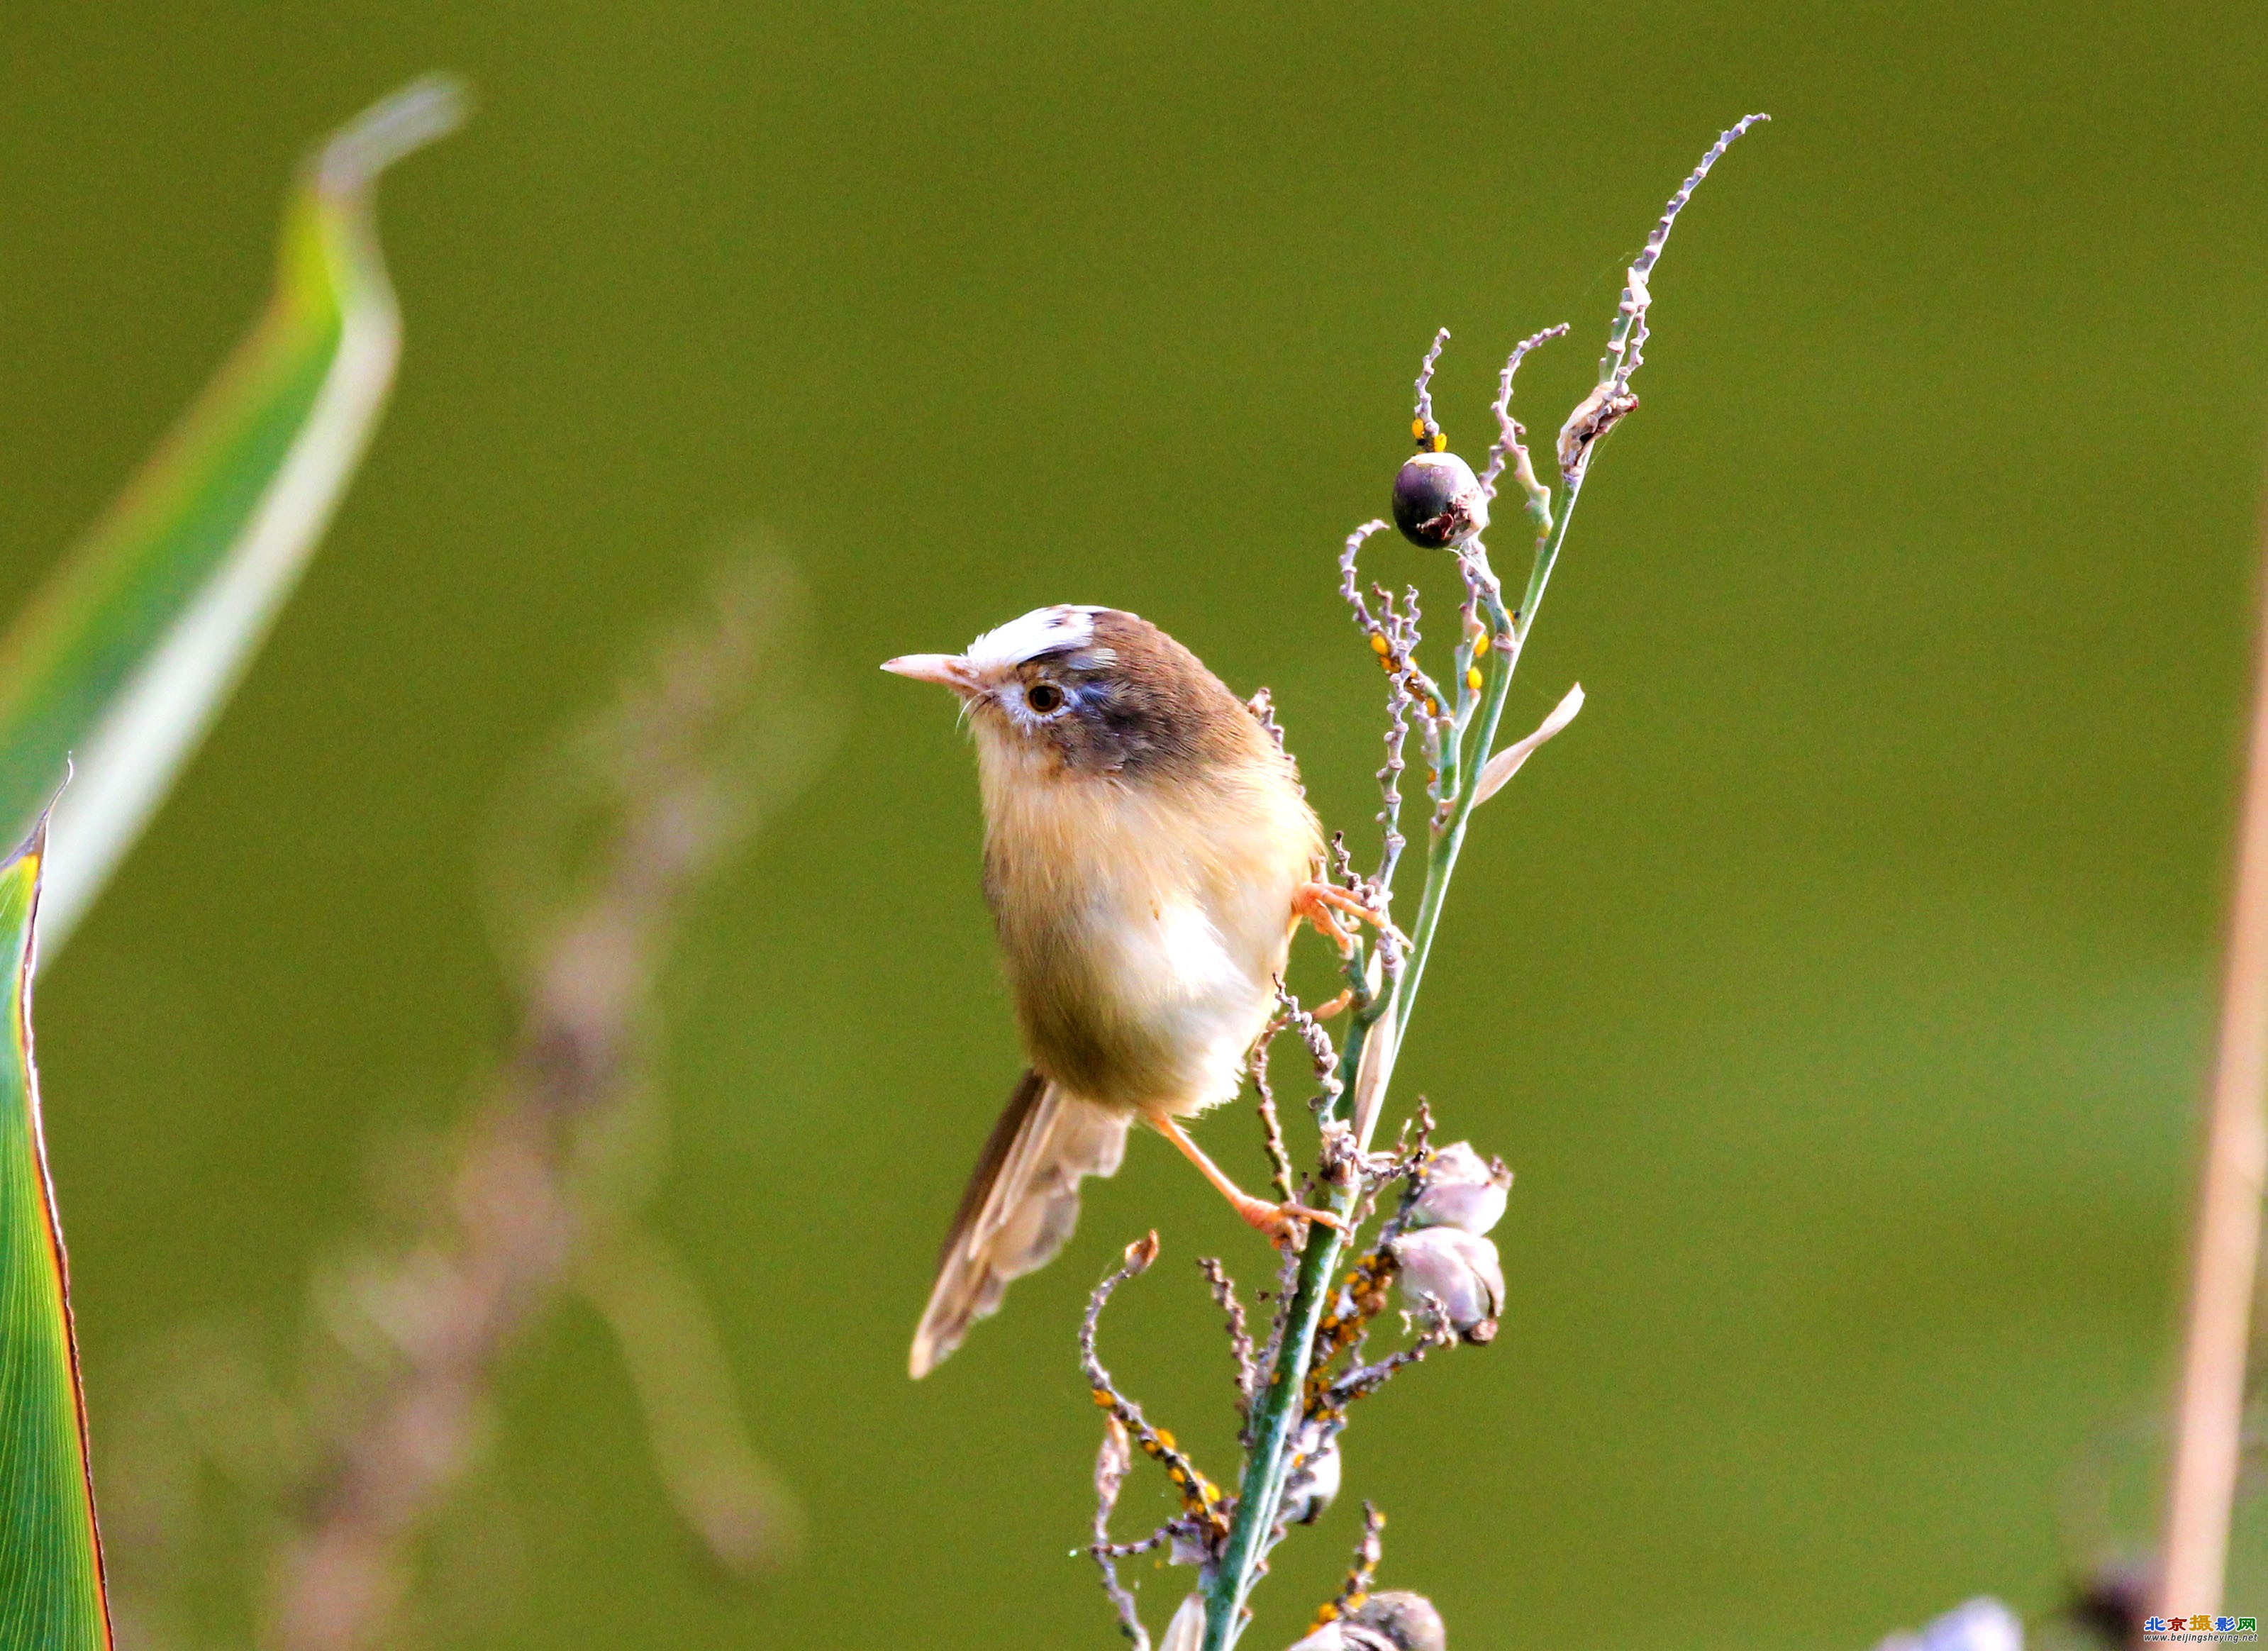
{"x": 1279, "y": 1221}
{"x": 1321, "y": 902}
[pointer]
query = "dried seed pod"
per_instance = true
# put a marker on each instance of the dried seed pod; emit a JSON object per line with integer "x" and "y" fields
{"x": 1397, "y": 1621}
{"x": 1461, "y": 1191}
{"x": 1458, "y": 1269}
{"x": 1438, "y": 501}
{"x": 1405, "y": 1621}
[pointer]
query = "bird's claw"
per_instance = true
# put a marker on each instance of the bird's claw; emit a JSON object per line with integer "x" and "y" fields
{"x": 1318, "y": 902}
{"x": 1282, "y": 1224}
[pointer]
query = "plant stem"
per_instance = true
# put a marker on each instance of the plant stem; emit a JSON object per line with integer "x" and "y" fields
{"x": 1441, "y": 859}
{"x": 1376, "y": 1028}
{"x": 2201, "y": 1483}
{"x": 1276, "y": 1412}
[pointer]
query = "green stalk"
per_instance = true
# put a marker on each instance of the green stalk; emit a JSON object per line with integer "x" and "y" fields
{"x": 1276, "y": 1412}
{"x": 1444, "y": 845}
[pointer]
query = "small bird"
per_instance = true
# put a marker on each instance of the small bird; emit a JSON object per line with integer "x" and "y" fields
{"x": 1148, "y": 855}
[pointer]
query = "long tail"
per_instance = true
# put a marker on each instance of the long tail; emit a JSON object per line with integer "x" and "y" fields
{"x": 1021, "y": 1204}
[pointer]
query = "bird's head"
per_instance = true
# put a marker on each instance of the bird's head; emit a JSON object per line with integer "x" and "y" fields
{"x": 1090, "y": 691}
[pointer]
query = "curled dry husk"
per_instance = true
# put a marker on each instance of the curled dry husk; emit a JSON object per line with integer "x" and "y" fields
{"x": 1462, "y": 1191}
{"x": 1458, "y": 1269}
{"x": 1395, "y": 1621}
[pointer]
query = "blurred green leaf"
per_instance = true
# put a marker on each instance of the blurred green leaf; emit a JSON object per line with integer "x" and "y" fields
{"x": 123, "y": 659}
{"x": 51, "y": 1593}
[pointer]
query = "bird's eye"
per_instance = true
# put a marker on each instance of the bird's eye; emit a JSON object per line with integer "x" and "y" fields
{"x": 1043, "y": 698}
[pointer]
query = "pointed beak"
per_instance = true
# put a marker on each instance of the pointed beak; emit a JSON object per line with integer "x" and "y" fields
{"x": 949, "y": 670}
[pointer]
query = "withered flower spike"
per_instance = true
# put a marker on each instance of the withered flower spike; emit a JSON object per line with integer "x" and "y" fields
{"x": 1201, "y": 1498}
{"x": 1508, "y": 446}
{"x": 1425, "y": 397}
{"x": 1362, "y": 1572}
{"x": 1611, "y": 400}
{"x": 1349, "y": 585}
{"x": 1320, "y": 1053}
{"x": 1287, "y": 1278}
{"x": 1112, "y": 1462}
{"x": 1365, "y": 1379}
{"x": 1239, "y": 1338}
{"x": 1271, "y": 1126}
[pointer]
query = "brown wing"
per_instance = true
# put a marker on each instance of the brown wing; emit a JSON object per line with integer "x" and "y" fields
{"x": 1021, "y": 1204}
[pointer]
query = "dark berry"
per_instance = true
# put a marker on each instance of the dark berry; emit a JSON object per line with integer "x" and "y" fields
{"x": 1438, "y": 501}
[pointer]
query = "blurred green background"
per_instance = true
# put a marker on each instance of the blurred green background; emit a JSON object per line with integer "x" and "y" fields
{"x": 1839, "y": 987}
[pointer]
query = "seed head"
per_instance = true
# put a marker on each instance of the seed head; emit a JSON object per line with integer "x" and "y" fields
{"x": 1458, "y": 1269}
{"x": 1461, "y": 1191}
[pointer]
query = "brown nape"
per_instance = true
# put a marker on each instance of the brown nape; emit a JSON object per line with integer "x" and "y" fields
{"x": 1141, "y": 705}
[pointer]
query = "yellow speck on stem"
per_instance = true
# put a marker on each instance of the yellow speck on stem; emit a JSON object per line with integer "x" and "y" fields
{"x": 1378, "y": 643}
{"x": 1473, "y": 679}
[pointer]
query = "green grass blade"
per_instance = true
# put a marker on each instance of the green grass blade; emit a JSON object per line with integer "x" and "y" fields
{"x": 51, "y": 1591}
{"x": 124, "y": 659}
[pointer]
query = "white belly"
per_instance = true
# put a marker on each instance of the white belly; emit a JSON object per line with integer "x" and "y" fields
{"x": 1144, "y": 933}
{"x": 1198, "y": 981}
